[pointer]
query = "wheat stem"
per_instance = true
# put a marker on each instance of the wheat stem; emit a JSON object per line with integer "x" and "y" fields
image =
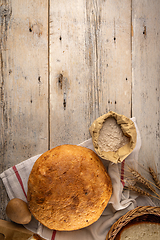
{"x": 141, "y": 179}
{"x": 141, "y": 191}
{"x": 138, "y": 190}
{"x": 131, "y": 178}
{"x": 154, "y": 176}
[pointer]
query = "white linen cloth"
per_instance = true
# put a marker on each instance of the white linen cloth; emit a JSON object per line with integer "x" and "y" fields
{"x": 15, "y": 181}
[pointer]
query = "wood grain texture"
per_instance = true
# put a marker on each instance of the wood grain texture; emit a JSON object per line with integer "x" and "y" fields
{"x": 90, "y": 63}
{"x": 146, "y": 79}
{"x": 146, "y": 76}
{"x": 23, "y": 81}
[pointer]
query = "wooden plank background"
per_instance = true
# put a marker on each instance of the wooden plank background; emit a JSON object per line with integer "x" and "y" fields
{"x": 146, "y": 78}
{"x": 63, "y": 64}
{"x": 88, "y": 74}
{"x": 23, "y": 84}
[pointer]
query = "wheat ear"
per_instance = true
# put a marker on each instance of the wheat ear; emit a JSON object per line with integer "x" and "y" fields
{"x": 144, "y": 181}
{"x": 141, "y": 191}
{"x": 141, "y": 179}
{"x": 154, "y": 176}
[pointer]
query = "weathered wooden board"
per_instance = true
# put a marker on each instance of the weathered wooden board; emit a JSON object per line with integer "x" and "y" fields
{"x": 146, "y": 76}
{"x": 146, "y": 79}
{"x": 23, "y": 82}
{"x": 90, "y": 64}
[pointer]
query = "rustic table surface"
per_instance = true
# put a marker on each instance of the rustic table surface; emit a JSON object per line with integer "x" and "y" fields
{"x": 65, "y": 63}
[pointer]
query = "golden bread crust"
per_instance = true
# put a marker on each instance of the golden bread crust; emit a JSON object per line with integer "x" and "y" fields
{"x": 68, "y": 188}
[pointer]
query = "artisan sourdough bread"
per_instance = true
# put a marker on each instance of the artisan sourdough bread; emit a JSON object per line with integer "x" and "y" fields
{"x": 140, "y": 231}
{"x": 68, "y": 188}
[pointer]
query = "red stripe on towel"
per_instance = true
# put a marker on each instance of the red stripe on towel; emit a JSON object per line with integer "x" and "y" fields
{"x": 53, "y": 235}
{"x": 19, "y": 179}
{"x": 122, "y": 173}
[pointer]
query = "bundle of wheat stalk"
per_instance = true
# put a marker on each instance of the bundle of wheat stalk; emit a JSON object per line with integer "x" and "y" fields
{"x": 142, "y": 185}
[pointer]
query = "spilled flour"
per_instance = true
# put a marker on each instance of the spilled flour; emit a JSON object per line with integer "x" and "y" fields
{"x": 111, "y": 137}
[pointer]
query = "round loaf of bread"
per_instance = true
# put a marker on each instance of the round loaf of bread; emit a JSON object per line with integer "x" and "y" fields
{"x": 68, "y": 188}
